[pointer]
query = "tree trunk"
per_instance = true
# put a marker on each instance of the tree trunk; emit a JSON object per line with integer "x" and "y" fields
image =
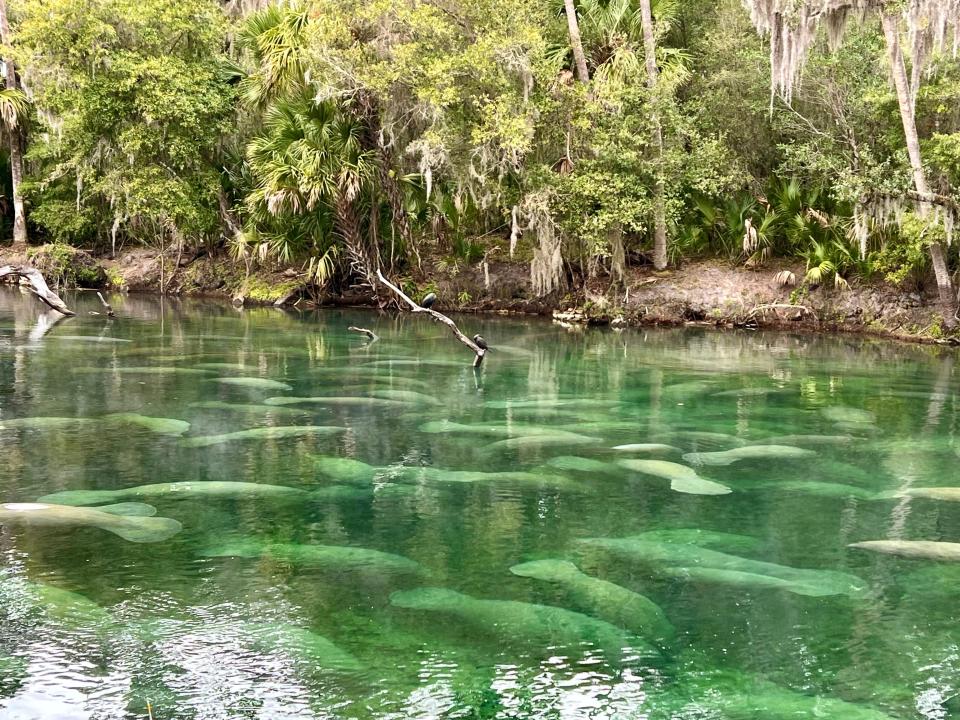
{"x": 16, "y": 143}
{"x": 659, "y": 203}
{"x": 891, "y": 32}
{"x": 348, "y": 225}
{"x": 573, "y": 26}
{"x": 386, "y": 174}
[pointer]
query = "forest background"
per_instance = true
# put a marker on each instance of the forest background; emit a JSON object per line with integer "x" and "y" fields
{"x": 577, "y": 140}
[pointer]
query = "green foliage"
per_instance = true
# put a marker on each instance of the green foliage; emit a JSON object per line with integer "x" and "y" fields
{"x": 133, "y": 105}
{"x": 903, "y": 258}
{"x": 340, "y": 135}
{"x": 65, "y": 266}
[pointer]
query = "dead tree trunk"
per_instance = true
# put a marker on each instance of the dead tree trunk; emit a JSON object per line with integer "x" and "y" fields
{"x": 478, "y": 351}
{"x": 37, "y": 285}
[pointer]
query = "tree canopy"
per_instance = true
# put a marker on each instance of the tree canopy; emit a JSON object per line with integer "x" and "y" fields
{"x": 346, "y": 135}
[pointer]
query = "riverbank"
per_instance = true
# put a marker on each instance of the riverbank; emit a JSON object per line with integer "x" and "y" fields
{"x": 704, "y": 292}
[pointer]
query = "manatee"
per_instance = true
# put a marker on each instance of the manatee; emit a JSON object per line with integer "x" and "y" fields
{"x": 737, "y": 578}
{"x": 748, "y": 452}
{"x": 822, "y": 489}
{"x": 17, "y": 594}
{"x": 734, "y": 695}
{"x": 307, "y": 647}
{"x": 682, "y": 478}
{"x": 189, "y": 489}
{"x": 143, "y": 370}
{"x": 809, "y": 440}
{"x": 89, "y": 338}
{"x": 278, "y": 432}
{"x": 602, "y": 599}
{"x": 68, "y": 606}
{"x": 158, "y": 425}
{"x": 333, "y": 400}
{"x": 525, "y": 623}
{"x": 43, "y": 423}
{"x": 573, "y": 463}
{"x": 848, "y": 415}
{"x": 551, "y": 403}
{"x": 343, "y": 492}
{"x": 405, "y": 396}
{"x": 947, "y": 494}
{"x": 372, "y": 375}
{"x": 694, "y": 387}
{"x": 679, "y": 556}
{"x": 432, "y": 474}
{"x": 254, "y": 383}
{"x": 245, "y": 407}
{"x": 200, "y": 489}
{"x": 328, "y": 557}
{"x": 647, "y": 448}
{"x": 700, "y": 438}
{"x": 536, "y": 441}
{"x": 415, "y": 363}
{"x": 498, "y": 430}
{"x": 128, "y": 520}
{"x": 345, "y": 469}
{"x": 750, "y": 392}
{"x": 726, "y": 542}
{"x": 913, "y": 549}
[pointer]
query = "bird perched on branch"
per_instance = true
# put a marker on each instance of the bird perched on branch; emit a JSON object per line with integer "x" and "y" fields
{"x": 428, "y": 301}
{"x": 480, "y": 342}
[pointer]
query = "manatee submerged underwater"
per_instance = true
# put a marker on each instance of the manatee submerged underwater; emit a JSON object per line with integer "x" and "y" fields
{"x": 514, "y": 622}
{"x": 131, "y": 521}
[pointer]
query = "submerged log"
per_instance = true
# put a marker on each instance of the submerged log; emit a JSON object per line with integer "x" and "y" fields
{"x": 478, "y": 350}
{"x": 37, "y": 285}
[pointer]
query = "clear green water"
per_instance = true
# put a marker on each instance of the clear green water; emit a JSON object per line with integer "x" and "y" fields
{"x": 204, "y": 636}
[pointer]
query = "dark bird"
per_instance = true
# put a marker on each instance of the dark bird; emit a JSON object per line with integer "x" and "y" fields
{"x": 428, "y": 301}
{"x": 480, "y": 342}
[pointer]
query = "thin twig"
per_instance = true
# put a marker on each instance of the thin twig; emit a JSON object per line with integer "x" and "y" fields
{"x": 439, "y": 317}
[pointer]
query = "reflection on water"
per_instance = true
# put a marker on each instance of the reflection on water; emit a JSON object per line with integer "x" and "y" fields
{"x": 352, "y": 511}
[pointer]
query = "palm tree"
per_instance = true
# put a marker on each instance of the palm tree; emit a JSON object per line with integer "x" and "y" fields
{"x": 310, "y": 159}
{"x": 12, "y": 106}
{"x": 573, "y": 28}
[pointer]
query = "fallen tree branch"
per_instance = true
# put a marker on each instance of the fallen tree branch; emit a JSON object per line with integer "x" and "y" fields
{"x": 106, "y": 305}
{"x": 37, "y": 285}
{"x": 439, "y": 317}
{"x": 363, "y": 331}
{"x": 928, "y": 198}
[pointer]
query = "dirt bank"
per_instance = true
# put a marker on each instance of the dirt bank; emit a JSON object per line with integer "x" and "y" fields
{"x": 700, "y": 292}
